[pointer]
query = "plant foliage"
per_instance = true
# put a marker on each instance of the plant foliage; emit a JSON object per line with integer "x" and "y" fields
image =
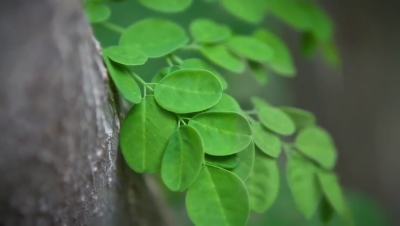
{"x": 183, "y": 126}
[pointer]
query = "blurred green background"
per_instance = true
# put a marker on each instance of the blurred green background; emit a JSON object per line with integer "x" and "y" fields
{"x": 279, "y": 91}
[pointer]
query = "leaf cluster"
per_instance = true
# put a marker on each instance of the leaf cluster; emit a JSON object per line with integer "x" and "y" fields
{"x": 184, "y": 125}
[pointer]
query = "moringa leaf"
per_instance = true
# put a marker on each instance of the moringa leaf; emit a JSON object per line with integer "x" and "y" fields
{"x": 226, "y": 162}
{"x": 182, "y": 159}
{"x": 222, "y": 133}
{"x": 125, "y": 55}
{"x": 250, "y": 11}
{"x": 166, "y": 6}
{"x": 251, "y": 48}
{"x": 97, "y": 12}
{"x": 263, "y": 182}
{"x": 225, "y": 104}
{"x": 303, "y": 183}
{"x": 266, "y": 141}
{"x": 188, "y": 90}
{"x": 124, "y": 82}
{"x": 276, "y": 120}
{"x": 194, "y": 63}
{"x": 300, "y": 117}
{"x": 144, "y": 135}
{"x": 222, "y": 57}
{"x": 154, "y": 36}
{"x": 258, "y": 71}
{"x": 246, "y": 162}
{"x": 317, "y": 144}
{"x": 259, "y": 102}
{"x": 333, "y": 193}
{"x": 207, "y": 31}
{"x": 281, "y": 61}
{"x": 217, "y": 197}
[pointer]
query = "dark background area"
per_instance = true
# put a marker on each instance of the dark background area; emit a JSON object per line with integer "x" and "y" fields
{"x": 358, "y": 103}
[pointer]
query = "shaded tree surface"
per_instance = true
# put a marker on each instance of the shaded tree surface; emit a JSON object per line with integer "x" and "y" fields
{"x": 60, "y": 163}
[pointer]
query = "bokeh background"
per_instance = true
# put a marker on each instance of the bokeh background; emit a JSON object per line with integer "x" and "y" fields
{"x": 359, "y": 103}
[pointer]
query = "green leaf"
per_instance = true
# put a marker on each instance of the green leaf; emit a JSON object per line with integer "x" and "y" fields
{"x": 125, "y": 55}
{"x": 317, "y": 144}
{"x": 217, "y": 197}
{"x": 226, "y": 104}
{"x": 309, "y": 44}
{"x": 300, "y": 117}
{"x": 222, "y": 57}
{"x": 326, "y": 210}
{"x": 207, "y": 31}
{"x": 222, "y": 133}
{"x": 322, "y": 25}
{"x": 97, "y": 12}
{"x": 166, "y": 6}
{"x": 259, "y": 102}
{"x": 246, "y": 162}
{"x": 266, "y": 141}
{"x": 258, "y": 71}
{"x": 303, "y": 183}
{"x": 276, "y": 120}
{"x": 155, "y": 37}
{"x": 188, "y": 90}
{"x": 251, "y": 48}
{"x": 226, "y": 162}
{"x": 124, "y": 82}
{"x": 182, "y": 159}
{"x": 144, "y": 135}
{"x": 249, "y": 11}
{"x": 282, "y": 61}
{"x": 333, "y": 193}
{"x": 164, "y": 72}
{"x": 263, "y": 182}
{"x": 194, "y": 63}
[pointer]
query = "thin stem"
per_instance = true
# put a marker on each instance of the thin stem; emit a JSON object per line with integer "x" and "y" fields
{"x": 177, "y": 59}
{"x": 113, "y": 27}
{"x": 185, "y": 118}
{"x": 137, "y": 77}
{"x": 181, "y": 120}
{"x": 169, "y": 61}
{"x": 251, "y": 112}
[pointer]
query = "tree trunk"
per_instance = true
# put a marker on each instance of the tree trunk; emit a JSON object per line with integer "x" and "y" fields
{"x": 60, "y": 163}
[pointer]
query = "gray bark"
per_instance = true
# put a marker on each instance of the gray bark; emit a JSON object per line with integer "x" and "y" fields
{"x": 59, "y": 161}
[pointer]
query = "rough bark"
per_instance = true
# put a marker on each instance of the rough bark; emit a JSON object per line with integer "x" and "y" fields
{"x": 59, "y": 161}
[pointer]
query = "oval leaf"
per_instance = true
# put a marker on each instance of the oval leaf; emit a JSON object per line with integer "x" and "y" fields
{"x": 183, "y": 159}
{"x": 166, "y": 6}
{"x": 268, "y": 142}
{"x": 154, "y": 37}
{"x": 208, "y": 31}
{"x": 97, "y": 12}
{"x": 194, "y": 63}
{"x": 251, "y": 48}
{"x": 124, "y": 82}
{"x": 226, "y": 162}
{"x": 333, "y": 193}
{"x": 263, "y": 182}
{"x": 259, "y": 72}
{"x": 249, "y": 11}
{"x": 317, "y": 144}
{"x": 222, "y": 133}
{"x": 303, "y": 183}
{"x": 246, "y": 162}
{"x": 259, "y": 102}
{"x": 281, "y": 61}
{"x": 217, "y": 197}
{"x": 226, "y": 104}
{"x": 222, "y": 57}
{"x": 300, "y": 117}
{"x": 276, "y": 120}
{"x": 125, "y": 55}
{"x": 188, "y": 90}
{"x": 144, "y": 135}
